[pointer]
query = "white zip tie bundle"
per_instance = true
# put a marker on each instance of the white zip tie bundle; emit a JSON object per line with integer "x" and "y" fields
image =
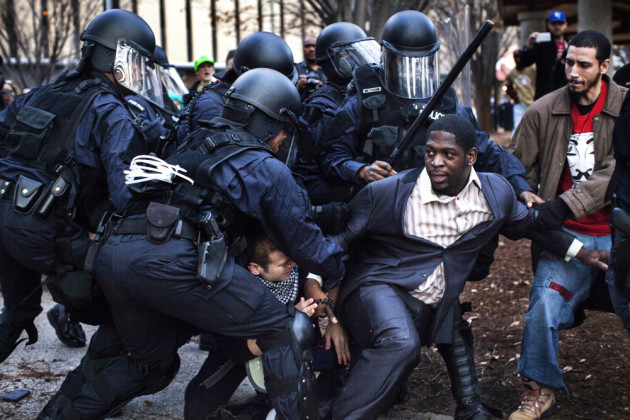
{"x": 145, "y": 168}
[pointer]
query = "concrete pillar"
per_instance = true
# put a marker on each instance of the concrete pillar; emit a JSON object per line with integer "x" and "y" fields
{"x": 529, "y": 22}
{"x": 597, "y": 15}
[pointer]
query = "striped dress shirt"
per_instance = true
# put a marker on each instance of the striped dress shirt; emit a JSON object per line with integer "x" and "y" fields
{"x": 443, "y": 219}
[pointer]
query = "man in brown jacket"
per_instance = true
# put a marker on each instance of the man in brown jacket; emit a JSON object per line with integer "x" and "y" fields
{"x": 565, "y": 143}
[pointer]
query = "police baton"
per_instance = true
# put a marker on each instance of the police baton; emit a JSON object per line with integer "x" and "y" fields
{"x": 435, "y": 99}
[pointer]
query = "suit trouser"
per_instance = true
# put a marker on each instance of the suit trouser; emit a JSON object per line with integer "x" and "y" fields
{"x": 389, "y": 326}
{"x": 154, "y": 294}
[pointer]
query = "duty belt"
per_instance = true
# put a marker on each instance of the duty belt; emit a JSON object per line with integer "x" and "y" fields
{"x": 136, "y": 226}
{"x": 5, "y": 188}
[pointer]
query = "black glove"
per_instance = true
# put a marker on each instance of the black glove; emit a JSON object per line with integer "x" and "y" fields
{"x": 552, "y": 214}
{"x": 331, "y": 217}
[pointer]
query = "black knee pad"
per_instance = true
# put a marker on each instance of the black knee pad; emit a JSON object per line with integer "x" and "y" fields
{"x": 297, "y": 333}
{"x": 299, "y": 336}
{"x": 154, "y": 376}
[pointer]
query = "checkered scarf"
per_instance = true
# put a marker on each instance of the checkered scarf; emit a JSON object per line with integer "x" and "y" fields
{"x": 285, "y": 291}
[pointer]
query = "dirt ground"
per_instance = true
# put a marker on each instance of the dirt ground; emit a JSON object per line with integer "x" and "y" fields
{"x": 593, "y": 356}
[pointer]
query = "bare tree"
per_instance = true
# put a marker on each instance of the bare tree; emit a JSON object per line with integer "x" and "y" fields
{"x": 368, "y": 14}
{"x": 35, "y": 34}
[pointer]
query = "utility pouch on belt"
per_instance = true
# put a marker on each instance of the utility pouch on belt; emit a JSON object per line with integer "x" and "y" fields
{"x": 620, "y": 220}
{"x": 57, "y": 190}
{"x": 27, "y": 192}
{"x": 380, "y": 140}
{"x": 162, "y": 220}
{"x": 213, "y": 252}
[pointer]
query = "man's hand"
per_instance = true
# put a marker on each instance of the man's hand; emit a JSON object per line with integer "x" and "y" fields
{"x": 336, "y": 334}
{"x": 313, "y": 290}
{"x": 301, "y": 84}
{"x": 532, "y": 39}
{"x": 594, "y": 257}
{"x": 307, "y": 306}
{"x": 376, "y": 171}
{"x": 530, "y": 199}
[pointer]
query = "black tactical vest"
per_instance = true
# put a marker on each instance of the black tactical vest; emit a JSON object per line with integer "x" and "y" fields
{"x": 385, "y": 118}
{"x": 46, "y": 125}
{"x": 200, "y": 153}
{"x": 42, "y": 134}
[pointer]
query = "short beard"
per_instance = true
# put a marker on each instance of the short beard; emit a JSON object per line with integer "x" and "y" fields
{"x": 576, "y": 96}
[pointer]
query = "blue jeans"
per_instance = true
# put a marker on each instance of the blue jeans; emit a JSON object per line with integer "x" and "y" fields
{"x": 517, "y": 113}
{"x": 559, "y": 287}
{"x": 620, "y": 302}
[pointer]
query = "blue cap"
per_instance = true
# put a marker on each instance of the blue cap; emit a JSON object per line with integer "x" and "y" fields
{"x": 557, "y": 16}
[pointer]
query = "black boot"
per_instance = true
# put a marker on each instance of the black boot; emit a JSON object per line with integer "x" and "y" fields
{"x": 460, "y": 363}
{"x": 68, "y": 331}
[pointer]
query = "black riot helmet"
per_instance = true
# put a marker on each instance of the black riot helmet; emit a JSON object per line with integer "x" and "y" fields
{"x": 264, "y": 49}
{"x": 122, "y": 43}
{"x": 409, "y": 55}
{"x": 342, "y": 47}
{"x": 266, "y": 102}
{"x": 161, "y": 58}
{"x": 174, "y": 88}
{"x": 107, "y": 28}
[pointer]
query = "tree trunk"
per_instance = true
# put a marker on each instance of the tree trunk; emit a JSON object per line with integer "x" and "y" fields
{"x": 483, "y": 107}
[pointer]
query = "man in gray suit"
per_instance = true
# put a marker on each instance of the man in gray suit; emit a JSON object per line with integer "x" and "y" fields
{"x": 421, "y": 231}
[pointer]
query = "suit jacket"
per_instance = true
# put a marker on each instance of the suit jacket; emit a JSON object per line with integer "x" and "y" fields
{"x": 387, "y": 255}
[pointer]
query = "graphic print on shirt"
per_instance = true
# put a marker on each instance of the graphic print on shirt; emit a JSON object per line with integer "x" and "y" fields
{"x": 581, "y": 156}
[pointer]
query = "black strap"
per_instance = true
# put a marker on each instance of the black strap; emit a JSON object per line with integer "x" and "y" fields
{"x": 137, "y": 226}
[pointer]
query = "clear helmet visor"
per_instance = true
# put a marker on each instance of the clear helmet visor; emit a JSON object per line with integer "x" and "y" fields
{"x": 410, "y": 77}
{"x": 287, "y": 138}
{"x": 173, "y": 85}
{"x": 346, "y": 57}
{"x": 138, "y": 73}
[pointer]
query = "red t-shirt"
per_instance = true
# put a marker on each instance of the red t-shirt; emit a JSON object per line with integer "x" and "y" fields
{"x": 580, "y": 165}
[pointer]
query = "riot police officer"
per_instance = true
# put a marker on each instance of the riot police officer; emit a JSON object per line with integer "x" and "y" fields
{"x": 340, "y": 48}
{"x": 157, "y": 281}
{"x": 68, "y": 143}
{"x": 260, "y": 49}
{"x": 368, "y": 125}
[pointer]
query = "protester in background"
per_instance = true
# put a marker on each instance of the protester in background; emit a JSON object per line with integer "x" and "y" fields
{"x": 228, "y": 59}
{"x": 546, "y": 52}
{"x": 565, "y": 144}
{"x": 622, "y": 76}
{"x": 521, "y": 87}
{"x": 311, "y": 76}
{"x": 204, "y": 68}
